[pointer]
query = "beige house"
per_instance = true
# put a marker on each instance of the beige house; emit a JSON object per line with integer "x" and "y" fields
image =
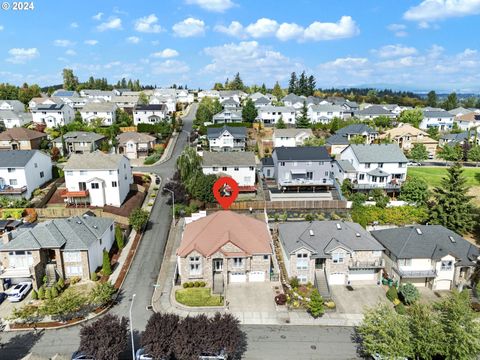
{"x": 19, "y": 138}
{"x": 78, "y": 142}
{"x": 405, "y": 135}
{"x": 60, "y": 248}
{"x": 134, "y": 145}
{"x": 225, "y": 247}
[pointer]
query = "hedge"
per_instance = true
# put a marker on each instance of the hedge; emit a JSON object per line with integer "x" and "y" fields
{"x": 398, "y": 215}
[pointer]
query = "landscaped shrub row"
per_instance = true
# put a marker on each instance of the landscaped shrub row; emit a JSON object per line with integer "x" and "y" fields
{"x": 194, "y": 284}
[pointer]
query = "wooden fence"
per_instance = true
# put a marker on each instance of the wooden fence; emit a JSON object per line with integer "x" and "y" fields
{"x": 62, "y": 212}
{"x": 284, "y": 205}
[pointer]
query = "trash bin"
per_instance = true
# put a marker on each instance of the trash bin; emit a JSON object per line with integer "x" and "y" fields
{"x": 7, "y": 283}
{"x": 390, "y": 282}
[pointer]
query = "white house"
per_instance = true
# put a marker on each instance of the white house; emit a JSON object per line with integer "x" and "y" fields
{"x": 149, "y": 114}
{"x": 208, "y": 93}
{"x": 22, "y": 171}
{"x": 13, "y": 105}
{"x": 13, "y": 119}
{"x": 53, "y": 115}
{"x": 238, "y": 165}
{"x": 97, "y": 94}
{"x": 44, "y": 101}
{"x": 271, "y": 114}
{"x": 324, "y": 113}
{"x": 125, "y": 102}
{"x": 290, "y": 137}
{"x": 440, "y": 119}
{"x": 97, "y": 179}
{"x": 184, "y": 96}
{"x": 169, "y": 101}
{"x": 227, "y": 138}
{"x": 428, "y": 256}
{"x": 227, "y": 116}
{"x": 377, "y": 166}
{"x": 105, "y": 111}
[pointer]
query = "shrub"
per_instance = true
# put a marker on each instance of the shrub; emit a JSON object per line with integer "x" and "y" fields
{"x": 309, "y": 217}
{"x": 41, "y": 293}
{"x": 281, "y": 299}
{"x": 102, "y": 293}
{"x": 392, "y": 293}
{"x": 34, "y": 295}
{"x": 185, "y": 285}
{"x": 335, "y": 216}
{"x": 152, "y": 159}
{"x": 396, "y": 302}
{"x": 196, "y": 284}
{"x": 94, "y": 276}
{"x": 153, "y": 195}
{"x": 330, "y": 304}
{"x": 48, "y": 294}
{"x": 294, "y": 282}
{"x": 106, "y": 268}
{"x": 315, "y": 306}
{"x": 119, "y": 237}
{"x": 409, "y": 294}
{"x": 54, "y": 292}
{"x": 203, "y": 284}
{"x": 150, "y": 203}
{"x": 60, "y": 284}
{"x": 475, "y": 307}
{"x": 400, "y": 309}
{"x": 74, "y": 280}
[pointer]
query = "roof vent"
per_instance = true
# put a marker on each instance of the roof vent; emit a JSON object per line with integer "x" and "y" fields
{"x": 95, "y": 226}
{"x": 79, "y": 222}
{"x": 311, "y": 232}
{"x": 452, "y": 239}
{"x": 339, "y": 227}
{"x": 419, "y": 232}
{"x": 357, "y": 234}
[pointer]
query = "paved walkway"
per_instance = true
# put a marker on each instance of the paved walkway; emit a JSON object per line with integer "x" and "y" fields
{"x": 165, "y": 156}
{"x": 162, "y": 302}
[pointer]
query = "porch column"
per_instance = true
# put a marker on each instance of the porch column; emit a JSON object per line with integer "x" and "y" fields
{"x": 59, "y": 260}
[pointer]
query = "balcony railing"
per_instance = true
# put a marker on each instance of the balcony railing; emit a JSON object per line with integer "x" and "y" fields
{"x": 387, "y": 186}
{"x": 417, "y": 273}
{"x": 10, "y": 190}
{"x": 374, "y": 264}
{"x": 306, "y": 182}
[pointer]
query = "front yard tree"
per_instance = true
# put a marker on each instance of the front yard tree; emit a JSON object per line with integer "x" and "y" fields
{"x": 280, "y": 123}
{"x": 102, "y": 293}
{"x": 119, "y": 237}
{"x": 158, "y": 337}
{"x": 106, "y": 268}
{"x": 419, "y": 153}
{"x": 249, "y": 112}
{"x": 452, "y": 206}
{"x": 415, "y": 191}
{"x": 357, "y": 140}
{"x": 303, "y": 121}
{"x": 451, "y": 153}
{"x": 409, "y": 293}
{"x": 413, "y": 117}
{"x": 428, "y": 338}
{"x": 226, "y": 335}
{"x": 191, "y": 337}
{"x": 315, "y": 306}
{"x": 385, "y": 332}
{"x": 277, "y": 91}
{"x": 142, "y": 98}
{"x": 474, "y": 154}
{"x": 138, "y": 217}
{"x": 105, "y": 338}
{"x": 432, "y": 99}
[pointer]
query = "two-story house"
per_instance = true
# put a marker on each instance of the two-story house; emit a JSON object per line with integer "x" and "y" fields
{"x": 227, "y": 138}
{"x": 270, "y": 115}
{"x": 78, "y": 142}
{"x": 330, "y": 253}
{"x": 12, "y": 119}
{"x": 126, "y": 103}
{"x": 59, "y": 248}
{"x": 467, "y": 121}
{"x": 323, "y": 114}
{"x": 22, "y": 171}
{"x": 170, "y": 101}
{"x": 225, "y": 247}
{"x": 149, "y": 114}
{"x": 428, "y": 256}
{"x": 239, "y": 165}
{"x": 104, "y": 111}
{"x": 306, "y": 167}
{"x": 341, "y": 139}
{"x": 227, "y": 116}
{"x": 134, "y": 145}
{"x": 440, "y": 119}
{"x": 374, "y": 111}
{"x": 230, "y": 104}
{"x": 104, "y": 95}
{"x": 19, "y": 138}
{"x": 406, "y": 136}
{"x": 53, "y": 115}
{"x": 97, "y": 179}
{"x": 290, "y": 137}
{"x": 12, "y": 105}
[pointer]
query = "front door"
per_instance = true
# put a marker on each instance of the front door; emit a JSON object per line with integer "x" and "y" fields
{"x": 319, "y": 263}
{"x": 218, "y": 265}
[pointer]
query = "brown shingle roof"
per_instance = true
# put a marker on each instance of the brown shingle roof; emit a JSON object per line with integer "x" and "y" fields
{"x": 19, "y": 133}
{"x": 209, "y": 234}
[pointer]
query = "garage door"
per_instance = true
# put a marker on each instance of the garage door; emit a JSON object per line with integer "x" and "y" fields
{"x": 336, "y": 279}
{"x": 256, "y": 276}
{"x": 236, "y": 277}
{"x": 420, "y": 282}
{"x": 442, "y": 285}
{"x": 362, "y": 275}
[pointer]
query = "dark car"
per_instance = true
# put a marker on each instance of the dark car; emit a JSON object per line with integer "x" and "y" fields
{"x": 157, "y": 180}
{"x": 80, "y": 355}
{"x": 3, "y": 296}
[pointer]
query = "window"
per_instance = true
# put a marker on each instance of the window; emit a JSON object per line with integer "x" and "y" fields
{"x": 380, "y": 165}
{"x": 309, "y": 163}
{"x": 215, "y": 168}
{"x": 250, "y": 168}
{"x": 237, "y": 262}
{"x": 361, "y": 177}
{"x": 282, "y": 163}
{"x": 302, "y": 279}
{"x": 83, "y": 172}
{"x": 367, "y": 165}
{"x": 13, "y": 182}
{"x": 265, "y": 257}
{"x": 302, "y": 261}
{"x": 235, "y": 168}
{"x": 224, "y": 168}
{"x": 374, "y": 179}
{"x": 111, "y": 172}
{"x": 35, "y": 165}
{"x": 405, "y": 262}
{"x": 82, "y": 186}
{"x": 72, "y": 256}
{"x": 195, "y": 265}
{"x": 73, "y": 271}
{"x": 320, "y": 163}
{"x": 69, "y": 173}
{"x": 327, "y": 173}
{"x": 446, "y": 265}
{"x": 95, "y": 186}
{"x": 309, "y": 175}
{"x": 401, "y": 165}
{"x": 114, "y": 184}
{"x": 337, "y": 257}
{"x": 10, "y": 170}
{"x": 42, "y": 174}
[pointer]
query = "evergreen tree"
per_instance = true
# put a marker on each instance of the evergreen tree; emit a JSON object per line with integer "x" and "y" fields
{"x": 303, "y": 121}
{"x": 263, "y": 89}
{"x": 302, "y": 84}
{"x": 277, "y": 91}
{"x": 474, "y": 154}
{"x": 452, "y": 207}
{"x": 236, "y": 83}
{"x": 280, "y": 123}
{"x": 106, "y": 269}
{"x": 249, "y": 112}
{"x": 315, "y": 306}
{"x": 451, "y": 102}
{"x": 142, "y": 98}
{"x": 451, "y": 153}
{"x": 293, "y": 84}
{"x": 311, "y": 84}
{"x": 432, "y": 99}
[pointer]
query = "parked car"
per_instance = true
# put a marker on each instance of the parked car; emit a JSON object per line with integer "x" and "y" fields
{"x": 3, "y": 296}
{"x": 157, "y": 180}
{"x": 431, "y": 156}
{"x": 19, "y": 292}
{"x": 140, "y": 355}
{"x": 80, "y": 355}
{"x": 413, "y": 163}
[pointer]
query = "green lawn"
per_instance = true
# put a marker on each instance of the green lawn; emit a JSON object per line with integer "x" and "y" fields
{"x": 198, "y": 297}
{"x": 433, "y": 175}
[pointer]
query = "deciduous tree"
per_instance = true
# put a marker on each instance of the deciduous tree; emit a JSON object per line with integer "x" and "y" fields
{"x": 418, "y": 153}
{"x": 413, "y": 117}
{"x": 159, "y": 335}
{"x": 415, "y": 191}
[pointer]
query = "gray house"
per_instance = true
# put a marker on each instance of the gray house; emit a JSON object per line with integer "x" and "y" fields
{"x": 227, "y": 138}
{"x": 227, "y": 116}
{"x": 79, "y": 142}
{"x": 330, "y": 253}
{"x": 296, "y": 168}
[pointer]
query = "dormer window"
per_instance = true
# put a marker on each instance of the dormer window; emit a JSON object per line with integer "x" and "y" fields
{"x": 338, "y": 257}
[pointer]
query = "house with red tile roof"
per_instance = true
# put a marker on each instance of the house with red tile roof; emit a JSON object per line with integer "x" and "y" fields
{"x": 225, "y": 247}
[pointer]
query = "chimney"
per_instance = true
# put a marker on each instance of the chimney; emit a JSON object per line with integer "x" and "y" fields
{"x": 6, "y": 237}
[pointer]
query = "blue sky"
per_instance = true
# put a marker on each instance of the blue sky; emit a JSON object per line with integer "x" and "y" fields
{"x": 409, "y": 44}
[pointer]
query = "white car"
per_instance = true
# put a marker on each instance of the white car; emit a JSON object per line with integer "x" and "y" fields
{"x": 19, "y": 291}
{"x": 140, "y": 355}
{"x": 413, "y": 163}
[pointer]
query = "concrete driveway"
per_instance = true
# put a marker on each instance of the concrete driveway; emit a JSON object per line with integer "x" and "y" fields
{"x": 6, "y": 307}
{"x": 355, "y": 302}
{"x": 250, "y": 297}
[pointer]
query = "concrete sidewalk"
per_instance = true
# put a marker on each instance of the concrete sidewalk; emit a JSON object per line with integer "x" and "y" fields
{"x": 162, "y": 298}
{"x": 165, "y": 156}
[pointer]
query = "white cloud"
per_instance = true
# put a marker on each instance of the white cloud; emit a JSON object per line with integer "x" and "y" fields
{"x": 166, "y": 53}
{"x": 2, "y": 27}
{"x": 98, "y": 16}
{"x": 397, "y": 50}
{"x": 431, "y": 10}
{"x": 63, "y": 43}
{"x": 235, "y": 29}
{"x": 189, "y": 27}
{"x": 344, "y": 28}
{"x": 113, "y": 23}
{"x": 22, "y": 55}
{"x": 345, "y": 63}
{"x": 170, "y": 67}
{"x": 74, "y": 25}
{"x": 133, "y": 39}
{"x": 148, "y": 24}
{"x": 398, "y": 29}
{"x": 70, "y": 52}
{"x": 213, "y": 5}
{"x": 91, "y": 42}
{"x": 262, "y": 28}
{"x": 288, "y": 31}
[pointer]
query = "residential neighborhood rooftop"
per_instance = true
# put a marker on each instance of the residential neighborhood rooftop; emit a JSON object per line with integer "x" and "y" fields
{"x": 236, "y": 158}
{"x": 16, "y": 158}
{"x": 79, "y": 136}
{"x": 21, "y": 133}
{"x": 303, "y": 153}
{"x": 378, "y": 153}
{"x": 235, "y": 131}
{"x": 96, "y": 160}
{"x": 135, "y": 137}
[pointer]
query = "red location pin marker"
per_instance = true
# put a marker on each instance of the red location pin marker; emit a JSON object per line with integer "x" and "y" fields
{"x": 225, "y": 191}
